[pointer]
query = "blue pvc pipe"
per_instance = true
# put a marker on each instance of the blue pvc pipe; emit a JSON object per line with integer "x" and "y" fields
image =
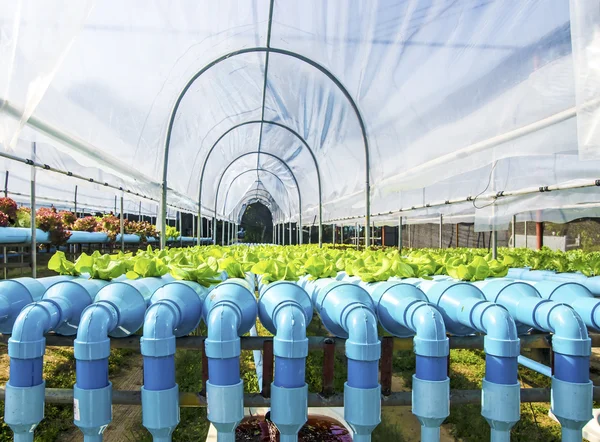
{"x": 159, "y": 373}
{"x": 26, "y": 372}
{"x": 535, "y": 366}
{"x": 289, "y": 373}
{"x": 91, "y": 375}
{"x": 362, "y": 374}
{"x": 432, "y": 368}
{"x": 224, "y": 371}
{"x": 574, "y": 369}
{"x": 501, "y": 370}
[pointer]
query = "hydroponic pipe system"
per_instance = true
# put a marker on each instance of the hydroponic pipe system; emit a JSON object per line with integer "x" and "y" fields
{"x": 118, "y": 311}
{"x": 285, "y": 310}
{"x": 175, "y": 310}
{"x": 571, "y": 387}
{"x": 229, "y": 311}
{"x": 59, "y": 310}
{"x": 403, "y": 311}
{"x": 466, "y": 311}
{"x": 347, "y": 311}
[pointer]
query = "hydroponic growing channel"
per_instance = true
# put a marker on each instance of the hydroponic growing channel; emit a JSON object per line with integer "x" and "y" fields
{"x": 341, "y": 119}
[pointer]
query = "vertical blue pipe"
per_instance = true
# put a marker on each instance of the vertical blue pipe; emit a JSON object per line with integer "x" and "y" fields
{"x": 91, "y": 374}
{"x": 363, "y": 374}
{"x": 430, "y": 368}
{"x": 501, "y": 370}
{"x": 224, "y": 371}
{"x": 26, "y": 372}
{"x": 289, "y": 372}
{"x": 159, "y": 373}
{"x": 572, "y": 368}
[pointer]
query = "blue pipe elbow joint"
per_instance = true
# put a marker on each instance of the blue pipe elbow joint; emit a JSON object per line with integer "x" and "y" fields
{"x": 117, "y": 311}
{"x": 175, "y": 310}
{"x": 348, "y": 311}
{"x": 15, "y": 294}
{"x": 285, "y": 310}
{"x": 229, "y": 311}
{"x": 403, "y": 311}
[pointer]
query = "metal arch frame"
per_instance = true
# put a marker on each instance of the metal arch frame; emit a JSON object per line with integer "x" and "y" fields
{"x": 290, "y": 130}
{"x": 299, "y": 57}
{"x": 256, "y": 152}
{"x": 257, "y": 170}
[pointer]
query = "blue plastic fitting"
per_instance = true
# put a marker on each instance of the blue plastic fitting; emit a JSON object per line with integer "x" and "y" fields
{"x": 465, "y": 310}
{"x": 285, "y": 310}
{"x": 575, "y": 295}
{"x": 591, "y": 283}
{"x": 347, "y": 311}
{"x": 59, "y": 310}
{"x": 403, "y": 311}
{"x": 229, "y": 311}
{"x": 570, "y": 342}
{"x": 175, "y": 310}
{"x": 118, "y": 311}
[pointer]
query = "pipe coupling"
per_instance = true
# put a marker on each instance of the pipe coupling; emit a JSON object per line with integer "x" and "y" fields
{"x": 500, "y": 404}
{"x": 362, "y": 408}
{"x": 92, "y": 409}
{"x": 24, "y": 407}
{"x": 225, "y": 405}
{"x": 571, "y": 403}
{"x": 160, "y": 411}
{"x": 430, "y": 401}
{"x": 289, "y": 408}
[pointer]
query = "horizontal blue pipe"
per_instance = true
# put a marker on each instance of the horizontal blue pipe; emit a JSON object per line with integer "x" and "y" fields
{"x": 289, "y": 373}
{"x": 363, "y": 374}
{"x": 159, "y": 373}
{"x": 431, "y": 368}
{"x": 535, "y": 366}
{"x": 91, "y": 375}
{"x": 501, "y": 370}
{"x": 224, "y": 371}
{"x": 572, "y": 368}
{"x": 25, "y": 372}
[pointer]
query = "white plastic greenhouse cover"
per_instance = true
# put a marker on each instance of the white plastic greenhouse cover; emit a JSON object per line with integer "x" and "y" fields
{"x": 427, "y": 101}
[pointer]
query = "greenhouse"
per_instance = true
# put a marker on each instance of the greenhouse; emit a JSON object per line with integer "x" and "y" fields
{"x": 261, "y": 219}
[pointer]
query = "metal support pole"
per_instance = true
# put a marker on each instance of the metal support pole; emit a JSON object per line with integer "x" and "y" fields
{"x": 457, "y": 232}
{"x": 300, "y": 234}
{"x": 525, "y": 228}
{"x": 400, "y": 233}
{"x": 214, "y": 229}
{"x": 441, "y": 226}
{"x": 310, "y": 234}
{"x": 539, "y": 233}
{"x": 290, "y": 232}
{"x": 6, "y": 183}
{"x": 33, "y": 225}
{"x": 283, "y": 233}
{"x": 514, "y": 231}
{"x": 223, "y": 232}
{"x": 357, "y": 238}
{"x": 75, "y": 202}
{"x": 140, "y": 211}
{"x": 494, "y": 243}
{"x": 334, "y": 235}
{"x": 115, "y": 212}
{"x": 410, "y": 244}
{"x": 342, "y": 234}
{"x": 122, "y": 226}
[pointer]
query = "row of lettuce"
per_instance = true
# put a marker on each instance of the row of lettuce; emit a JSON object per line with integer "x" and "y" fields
{"x": 207, "y": 265}
{"x": 60, "y": 223}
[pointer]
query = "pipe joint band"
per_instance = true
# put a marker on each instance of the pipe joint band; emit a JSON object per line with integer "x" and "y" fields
{"x": 290, "y": 349}
{"x": 430, "y": 401}
{"x": 571, "y": 402}
{"x": 572, "y": 347}
{"x": 160, "y": 410}
{"x": 91, "y": 351}
{"x": 363, "y": 351}
{"x": 289, "y": 408}
{"x": 24, "y": 407}
{"x": 222, "y": 349}
{"x": 92, "y": 409}
{"x": 501, "y": 404}
{"x": 158, "y": 347}
{"x": 27, "y": 349}
{"x": 362, "y": 408}
{"x": 225, "y": 405}
{"x": 505, "y": 348}
{"x": 429, "y": 347}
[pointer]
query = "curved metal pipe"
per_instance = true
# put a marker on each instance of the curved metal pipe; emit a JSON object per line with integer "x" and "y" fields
{"x": 289, "y": 169}
{"x": 293, "y": 132}
{"x": 304, "y": 59}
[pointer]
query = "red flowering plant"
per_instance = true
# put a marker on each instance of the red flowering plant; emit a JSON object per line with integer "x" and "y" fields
{"x": 68, "y": 218}
{"x": 3, "y": 219}
{"x": 48, "y": 220}
{"x": 9, "y": 208}
{"x": 86, "y": 224}
{"x": 109, "y": 224}
{"x": 143, "y": 229}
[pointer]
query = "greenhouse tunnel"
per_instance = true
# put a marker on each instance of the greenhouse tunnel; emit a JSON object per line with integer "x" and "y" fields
{"x": 218, "y": 177}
